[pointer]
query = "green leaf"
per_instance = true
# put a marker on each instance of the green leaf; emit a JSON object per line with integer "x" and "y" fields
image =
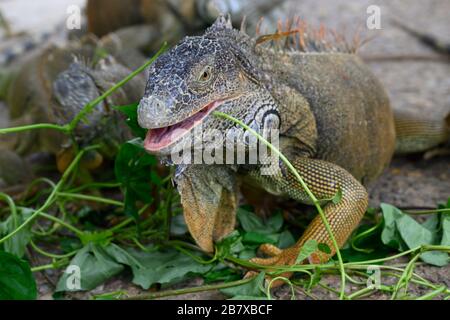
{"x": 134, "y": 170}
{"x": 222, "y": 273}
{"x": 231, "y": 244}
{"x": 432, "y": 223}
{"x": 375, "y": 249}
{"x": 390, "y": 235}
{"x": 132, "y": 120}
{"x": 400, "y": 228}
{"x": 95, "y": 266}
{"x": 275, "y": 222}
{"x": 16, "y": 245}
{"x": 308, "y": 248}
{"x": 324, "y": 248}
{"x": 16, "y": 279}
{"x": 101, "y": 238}
{"x": 416, "y": 235}
{"x": 254, "y": 288}
{"x": 249, "y": 221}
{"x": 445, "y": 224}
{"x": 164, "y": 267}
{"x": 258, "y": 238}
{"x": 316, "y": 277}
{"x": 337, "y": 197}
{"x": 285, "y": 240}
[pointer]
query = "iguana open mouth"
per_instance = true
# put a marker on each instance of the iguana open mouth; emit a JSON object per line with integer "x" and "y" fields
{"x": 160, "y": 138}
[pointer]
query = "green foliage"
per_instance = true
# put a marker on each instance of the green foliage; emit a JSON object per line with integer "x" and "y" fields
{"x": 254, "y": 288}
{"x": 307, "y": 250}
{"x": 16, "y": 245}
{"x": 256, "y": 232}
{"x": 133, "y": 169}
{"x": 98, "y": 263}
{"x": 402, "y": 231}
{"x": 132, "y": 120}
{"x": 16, "y": 280}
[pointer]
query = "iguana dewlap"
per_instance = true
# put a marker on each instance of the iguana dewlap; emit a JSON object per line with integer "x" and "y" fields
{"x": 336, "y": 127}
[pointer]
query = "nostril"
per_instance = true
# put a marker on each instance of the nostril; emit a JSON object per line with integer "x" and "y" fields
{"x": 149, "y": 109}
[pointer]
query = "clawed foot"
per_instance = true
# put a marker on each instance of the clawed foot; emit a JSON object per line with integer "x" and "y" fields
{"x": 276, "y": 257}
{"x": 279, "y": 257}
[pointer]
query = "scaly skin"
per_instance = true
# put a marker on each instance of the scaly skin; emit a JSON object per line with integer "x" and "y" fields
{"x": 336, "y": 127}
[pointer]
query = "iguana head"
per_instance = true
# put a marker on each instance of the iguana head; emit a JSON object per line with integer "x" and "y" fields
{"x": 81, "y": 84}
{"x": 202, "y": 74}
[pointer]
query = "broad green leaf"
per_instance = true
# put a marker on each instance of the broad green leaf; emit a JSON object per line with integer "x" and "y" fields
{"x": 16, "y": 245}
{"x": 164, "y": 267}
{"x": 445, "y": 223}
{"x": 221, "y": 272}
{"x": 133, "y": 169}
{"x": 307, "y": 249}
{"x": 101, "y": 238}
{"x": 250, "y": 222}
{"x": 258, "y": 238}
{"x": 95, "y": 266}
{"x": 231, "y": 244}
{"x": 275, "y": 222}
{"x": 16, "y": 279}
{"x": 390, "y": 235}
{"x": 254, "y": 288}
{"x": 416, "y": 235}
{"x": 400, "y": 228}
{"x": 432, "y": 223}
{"x": 324, "y": 248}
{"x": 285, "y": 240}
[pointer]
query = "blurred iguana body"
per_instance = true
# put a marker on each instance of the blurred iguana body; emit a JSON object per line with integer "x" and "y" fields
{"x": 54, "y": 84}
{"x": 172, "y": 19}
{"x": 336, "y": 127}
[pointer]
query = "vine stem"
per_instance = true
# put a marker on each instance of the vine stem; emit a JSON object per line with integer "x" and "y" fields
{"x": 52, "y": 196}
{"x": 178, "y": 292}
{"x": 90, "y": 198}
{"x": 12, "y": 207}
{"x": 64, "y": 128}
{"x": 304, "y": 186}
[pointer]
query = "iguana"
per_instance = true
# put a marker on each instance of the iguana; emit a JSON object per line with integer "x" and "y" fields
{"x": 335, "y": 120}
{"x": 173, "y": 19}
{"x": 56, "y": 83}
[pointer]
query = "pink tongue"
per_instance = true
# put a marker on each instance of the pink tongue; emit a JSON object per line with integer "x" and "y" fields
{"x": 157, "y": 139}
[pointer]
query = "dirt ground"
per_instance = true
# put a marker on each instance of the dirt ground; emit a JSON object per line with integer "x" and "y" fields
{"x": 422, "y": 85}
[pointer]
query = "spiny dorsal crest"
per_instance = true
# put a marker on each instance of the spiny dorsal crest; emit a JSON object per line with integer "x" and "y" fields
{"x": 296, "y": 35}
{"x": 221, "y": 23}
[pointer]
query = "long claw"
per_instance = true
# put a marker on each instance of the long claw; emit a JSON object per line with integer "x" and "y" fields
{"x": 270, "y": 250}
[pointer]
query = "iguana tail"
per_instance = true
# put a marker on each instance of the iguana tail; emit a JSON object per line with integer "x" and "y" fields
{"x": 419, "y": 134}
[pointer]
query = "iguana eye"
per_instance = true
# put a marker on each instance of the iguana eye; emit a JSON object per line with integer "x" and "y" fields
{"x": 205, "y": 75}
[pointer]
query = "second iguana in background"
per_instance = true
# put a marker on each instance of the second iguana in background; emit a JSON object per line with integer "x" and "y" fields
{"x": 336, "y": 127}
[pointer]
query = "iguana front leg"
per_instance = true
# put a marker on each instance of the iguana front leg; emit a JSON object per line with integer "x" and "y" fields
{"x": 324, "y": 179}
{"x": 208, "y": 196}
